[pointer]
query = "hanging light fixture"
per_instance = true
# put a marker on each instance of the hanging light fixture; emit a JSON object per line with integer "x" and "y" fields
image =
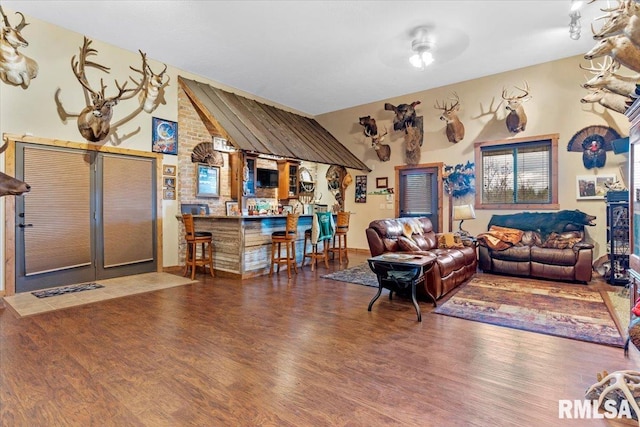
{"x": 574, "y": 15}
{"x": 422, "y": 56}
{"x": 421, "y": 48}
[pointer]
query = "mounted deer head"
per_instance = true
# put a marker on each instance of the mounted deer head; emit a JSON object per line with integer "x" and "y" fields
{"x": 15, "y": 68}
{"x": 516, "y": 119}
{"x": 455, "y": 128}
{"x": 383, "y": 151}
{"x": 619, "y": 48}
{"x": 605, "y": 78}
{"x": 612, "y": 101}
{"x": 94, "y": 120}
{"x": 149, "y": 97}
{"x": 10, "y": 186}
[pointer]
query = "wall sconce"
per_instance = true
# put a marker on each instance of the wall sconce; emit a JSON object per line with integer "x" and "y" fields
{"x": 462, "y": 212}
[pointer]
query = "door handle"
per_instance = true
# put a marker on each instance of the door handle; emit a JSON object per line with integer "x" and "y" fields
{"x": 25, "y": 225}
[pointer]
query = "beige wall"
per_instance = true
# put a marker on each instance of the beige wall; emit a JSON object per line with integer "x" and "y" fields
{"x": 34, "y": 110}
{"x": 554, "y": 108}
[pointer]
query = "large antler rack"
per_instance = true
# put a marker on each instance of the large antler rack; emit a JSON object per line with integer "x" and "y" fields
{"x": 79, "y": 65}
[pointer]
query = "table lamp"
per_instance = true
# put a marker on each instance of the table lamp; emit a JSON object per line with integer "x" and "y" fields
{"x": 462, "y": 212}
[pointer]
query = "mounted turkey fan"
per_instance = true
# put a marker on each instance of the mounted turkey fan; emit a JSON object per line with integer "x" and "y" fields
{"x": 593, "y": 141}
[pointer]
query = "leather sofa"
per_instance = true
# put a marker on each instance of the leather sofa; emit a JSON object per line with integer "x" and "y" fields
{"x": 453, "y": 266}
{"x": 559, "y": 255}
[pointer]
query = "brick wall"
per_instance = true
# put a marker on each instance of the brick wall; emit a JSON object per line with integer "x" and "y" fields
{"x": 192, "y": 130}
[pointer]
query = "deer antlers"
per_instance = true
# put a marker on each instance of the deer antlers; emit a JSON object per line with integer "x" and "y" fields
{"x": 453, "y": 106}
{"x": 520, "y": 98}
{"x": 93, "y": 120}
{"x": 79, "y": 65}
{"x": 18, "y": 27}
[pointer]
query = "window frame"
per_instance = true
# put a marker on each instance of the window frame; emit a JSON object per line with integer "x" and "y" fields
{"x": 479, "y": 146}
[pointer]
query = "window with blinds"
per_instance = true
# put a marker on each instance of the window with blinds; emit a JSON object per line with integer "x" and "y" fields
{"x": 418, "y": 192}
{"x": 416, "y": 197}
{"x": 516, "y": 174}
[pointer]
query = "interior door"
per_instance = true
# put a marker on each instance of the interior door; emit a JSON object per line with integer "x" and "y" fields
{"x": 125, "y": 213}
{"x": 88, "y": 216}
{"x": 54, "y": 225}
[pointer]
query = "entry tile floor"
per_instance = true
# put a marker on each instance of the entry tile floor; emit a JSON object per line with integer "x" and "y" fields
{"x": 26, "y": 304}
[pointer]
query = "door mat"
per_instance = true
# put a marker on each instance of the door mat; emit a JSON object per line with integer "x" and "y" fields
{"x": 66, "y": 290}
{"x": 564, "y": 310}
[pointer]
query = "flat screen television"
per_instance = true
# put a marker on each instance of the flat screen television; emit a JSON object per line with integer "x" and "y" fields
{"x": 267, "y": 178}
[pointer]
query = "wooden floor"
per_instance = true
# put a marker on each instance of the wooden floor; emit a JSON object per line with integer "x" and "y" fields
{"x": 304, "y": 352}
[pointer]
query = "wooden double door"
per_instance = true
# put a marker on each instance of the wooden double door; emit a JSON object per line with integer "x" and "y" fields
{"x": 89, "y": 216}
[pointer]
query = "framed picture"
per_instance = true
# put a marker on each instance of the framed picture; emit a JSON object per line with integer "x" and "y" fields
{"x": 207, "y": 181}
{"x": 169, "y": 194}
{"x": 169, "y": 182}
{"x": 382, "y": 182}
{"x": 232, "y": 209}
{"x": 361, "y": 189}
{"x": 164, "y": 136}
{"x": 591, "y": 187}
{"x": 169, "y": 170}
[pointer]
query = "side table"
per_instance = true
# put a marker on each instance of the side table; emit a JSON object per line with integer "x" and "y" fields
{"x": 400, "y": 272}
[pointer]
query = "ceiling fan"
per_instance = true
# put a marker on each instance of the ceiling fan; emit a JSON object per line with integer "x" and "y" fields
{"x": 440, "y": 42}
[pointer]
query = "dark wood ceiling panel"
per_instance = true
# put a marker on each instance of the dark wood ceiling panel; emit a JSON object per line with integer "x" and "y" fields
{"x": 256, "y": 127}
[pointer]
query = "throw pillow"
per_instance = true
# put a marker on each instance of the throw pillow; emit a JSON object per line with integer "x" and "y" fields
{"x": 449, "y": 240}
{"x": 531, "y": 238}
{"x": 407, "y": 245}
{"x": 563, "y": 240}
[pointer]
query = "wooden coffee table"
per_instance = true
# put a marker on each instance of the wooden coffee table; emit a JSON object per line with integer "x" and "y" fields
{"x": 401, "y": 272}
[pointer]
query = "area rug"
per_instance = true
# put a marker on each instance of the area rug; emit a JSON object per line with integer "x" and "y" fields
{"x": 66, "y": 290}
{"x": 620, "y": 303}
{"x": 564, "y": 310}
{"x": 360, "y": 275}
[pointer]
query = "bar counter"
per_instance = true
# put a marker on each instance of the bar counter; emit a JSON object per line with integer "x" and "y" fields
{"x": 242, "y": 244}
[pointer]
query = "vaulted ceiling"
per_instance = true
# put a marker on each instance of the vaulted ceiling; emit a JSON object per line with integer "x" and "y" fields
{"x": 320, "y": 56}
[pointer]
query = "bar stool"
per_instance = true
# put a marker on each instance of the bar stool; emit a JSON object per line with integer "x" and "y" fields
{"x": 194, "y": 238}
{"x": 320, "y": 231}
{"x": 288, "y": 237}
{"x": 342, "y": 227}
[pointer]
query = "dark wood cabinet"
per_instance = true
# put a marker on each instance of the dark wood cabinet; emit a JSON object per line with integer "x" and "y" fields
{"x": 288, "y": 179}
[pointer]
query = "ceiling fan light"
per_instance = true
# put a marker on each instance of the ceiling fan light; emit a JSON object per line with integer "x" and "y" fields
{"x": 415, "y": 60}
{"x": 576, "y": 5}
{"x": 427, "y": 58}
{"x": 422, "y": 56}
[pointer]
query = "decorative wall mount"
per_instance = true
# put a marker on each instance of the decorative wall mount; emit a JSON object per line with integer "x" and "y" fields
{"x": 205, "y": 153}
{"x": 15, "y": 68}
{"x": 94, "y": 121}
{"x": 407, "y": 120}
{"x": 593, "y": 142}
